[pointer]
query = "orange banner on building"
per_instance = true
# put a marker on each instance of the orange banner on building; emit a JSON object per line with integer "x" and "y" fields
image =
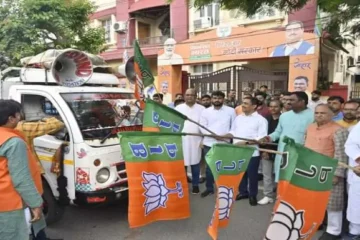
{"x": 229, "y": 44}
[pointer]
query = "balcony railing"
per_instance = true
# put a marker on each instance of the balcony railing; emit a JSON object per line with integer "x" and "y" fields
{"x": 152, "y": 41}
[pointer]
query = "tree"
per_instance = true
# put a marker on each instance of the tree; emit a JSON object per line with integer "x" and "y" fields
{"x": 339, "y": 22}
{"x": 4, "y": 62}
{"x": 28, "y": 27}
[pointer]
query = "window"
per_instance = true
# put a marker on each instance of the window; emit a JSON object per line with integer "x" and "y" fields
{"x": 202, "y": 69}
{"x": 37, "y": 107}
{"x": 212, "y": 11}
{"x": 107, "y": 24}
{"x": 264, "y": 13}
{"x": 99, "y": 114}
{"x": 339, "y": 62}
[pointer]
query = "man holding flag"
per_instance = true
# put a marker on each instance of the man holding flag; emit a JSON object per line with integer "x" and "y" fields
{"x": 256, "y": 128}
{"x": 191, "y": 144}
{"x": 218, "y": 119}
{"x": 328, "y": 138}
{"x": 292, "y": 124}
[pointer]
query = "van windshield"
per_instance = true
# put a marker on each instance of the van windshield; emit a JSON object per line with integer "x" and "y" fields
{"x": 98, "y": 114}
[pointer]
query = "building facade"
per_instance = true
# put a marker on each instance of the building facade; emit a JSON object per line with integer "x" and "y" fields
{"x": 347, "y": 66}
{"x": 151, "y": 22}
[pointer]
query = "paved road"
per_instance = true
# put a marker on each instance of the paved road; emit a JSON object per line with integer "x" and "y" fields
{"x": 110, "y": 223}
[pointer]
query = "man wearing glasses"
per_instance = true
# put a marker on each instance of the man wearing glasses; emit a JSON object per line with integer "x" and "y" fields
{"x": 295, "y": 45}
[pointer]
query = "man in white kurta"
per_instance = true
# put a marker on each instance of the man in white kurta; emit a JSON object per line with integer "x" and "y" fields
{"x": 352, "y": 149}
{"x": 191, "y": 144}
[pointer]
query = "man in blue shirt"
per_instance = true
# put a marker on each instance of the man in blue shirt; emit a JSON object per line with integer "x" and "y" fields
{"x": 336, "y": 104}
{"x": 292, "y": 124}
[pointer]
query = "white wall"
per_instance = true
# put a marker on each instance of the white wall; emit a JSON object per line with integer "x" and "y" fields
{"x": 104, "y": 4}
{"x": 236, "y": 18}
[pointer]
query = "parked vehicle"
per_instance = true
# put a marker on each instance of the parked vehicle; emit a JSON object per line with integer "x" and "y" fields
{"x": 91, "y": 105}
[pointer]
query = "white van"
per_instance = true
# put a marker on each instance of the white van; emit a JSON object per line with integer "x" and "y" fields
{"x": 91, "y": 156}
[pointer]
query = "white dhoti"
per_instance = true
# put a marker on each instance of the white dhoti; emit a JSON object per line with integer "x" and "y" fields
{"x": 191, "y": 144}
{"x": 191, "y": 150}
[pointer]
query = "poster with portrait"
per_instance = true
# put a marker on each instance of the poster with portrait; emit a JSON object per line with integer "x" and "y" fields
{"x": 303, "y": 73}
{"x": 169, "y": 82}
{"x": 294, "y": 44}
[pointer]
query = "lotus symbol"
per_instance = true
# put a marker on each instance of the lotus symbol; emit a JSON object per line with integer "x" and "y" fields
{"x": 286, "y": 224}
{"x": 225, "y": 201}
{"x": 156, "y": 192}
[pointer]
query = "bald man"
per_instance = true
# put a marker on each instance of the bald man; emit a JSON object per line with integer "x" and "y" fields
{"x": 169, "y": 57}
{"x": 191, "y": 144}
{"x": 328, "y": 138}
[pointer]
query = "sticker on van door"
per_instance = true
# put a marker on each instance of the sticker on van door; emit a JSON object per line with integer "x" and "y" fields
{"x": 83, "y": 180}
{"x": 82, "y": 153}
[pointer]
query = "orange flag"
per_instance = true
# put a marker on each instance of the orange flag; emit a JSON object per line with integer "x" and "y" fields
{"x": 139, "y": 90}
{"x": 305, "y": 185}
{"x": 158, "y": 188}
{"x": 228, "y": 164}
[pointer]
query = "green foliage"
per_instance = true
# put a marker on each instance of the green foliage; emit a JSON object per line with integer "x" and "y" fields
{"x": 341, "y": 22}
{"x": 250, "y": 7}
{"x": 28, "y": 27}
{"x": 4, "y": 62}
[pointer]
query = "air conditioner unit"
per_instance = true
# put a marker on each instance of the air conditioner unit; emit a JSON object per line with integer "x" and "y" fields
{"x": 120, "y": 26}
{"x": 203, "y": 22}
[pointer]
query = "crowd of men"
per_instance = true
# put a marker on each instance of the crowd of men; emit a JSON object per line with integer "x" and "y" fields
{"x": 329, "y": 127}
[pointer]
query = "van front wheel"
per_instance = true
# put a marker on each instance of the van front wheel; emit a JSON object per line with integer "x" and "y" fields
{"x": 53, "y": 212}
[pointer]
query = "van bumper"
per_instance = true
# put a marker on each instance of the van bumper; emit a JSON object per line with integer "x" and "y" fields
{"x": 99, "y": 197}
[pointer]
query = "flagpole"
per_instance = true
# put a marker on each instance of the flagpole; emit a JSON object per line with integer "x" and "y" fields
{"x": 238, "y": 138}
{"x": 344, "y": 165}
{"x": 203, "y": 127}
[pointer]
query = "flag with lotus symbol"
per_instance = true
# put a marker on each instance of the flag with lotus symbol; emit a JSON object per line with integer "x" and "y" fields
{"x": 161, "y": 118}
{"x": 158, "y": 188}
{"x": 228, "y": 164}
{"x": 304, "y": 186}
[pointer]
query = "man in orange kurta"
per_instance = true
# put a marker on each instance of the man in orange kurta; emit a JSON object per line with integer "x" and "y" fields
{"x": 328, "y": 138}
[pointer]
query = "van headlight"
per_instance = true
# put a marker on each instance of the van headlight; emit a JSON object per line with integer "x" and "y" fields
{"x": 103, "y": 175}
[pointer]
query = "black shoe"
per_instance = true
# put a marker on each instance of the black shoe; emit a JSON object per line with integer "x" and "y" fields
{"x": 253, "y": 201}
{"x": 240, "y": 197}
{"x": 206, "y": 193}
{"x": 328, "y": 236}
{"x": 195, "y": 190}
{"x": 202, "y": 180}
